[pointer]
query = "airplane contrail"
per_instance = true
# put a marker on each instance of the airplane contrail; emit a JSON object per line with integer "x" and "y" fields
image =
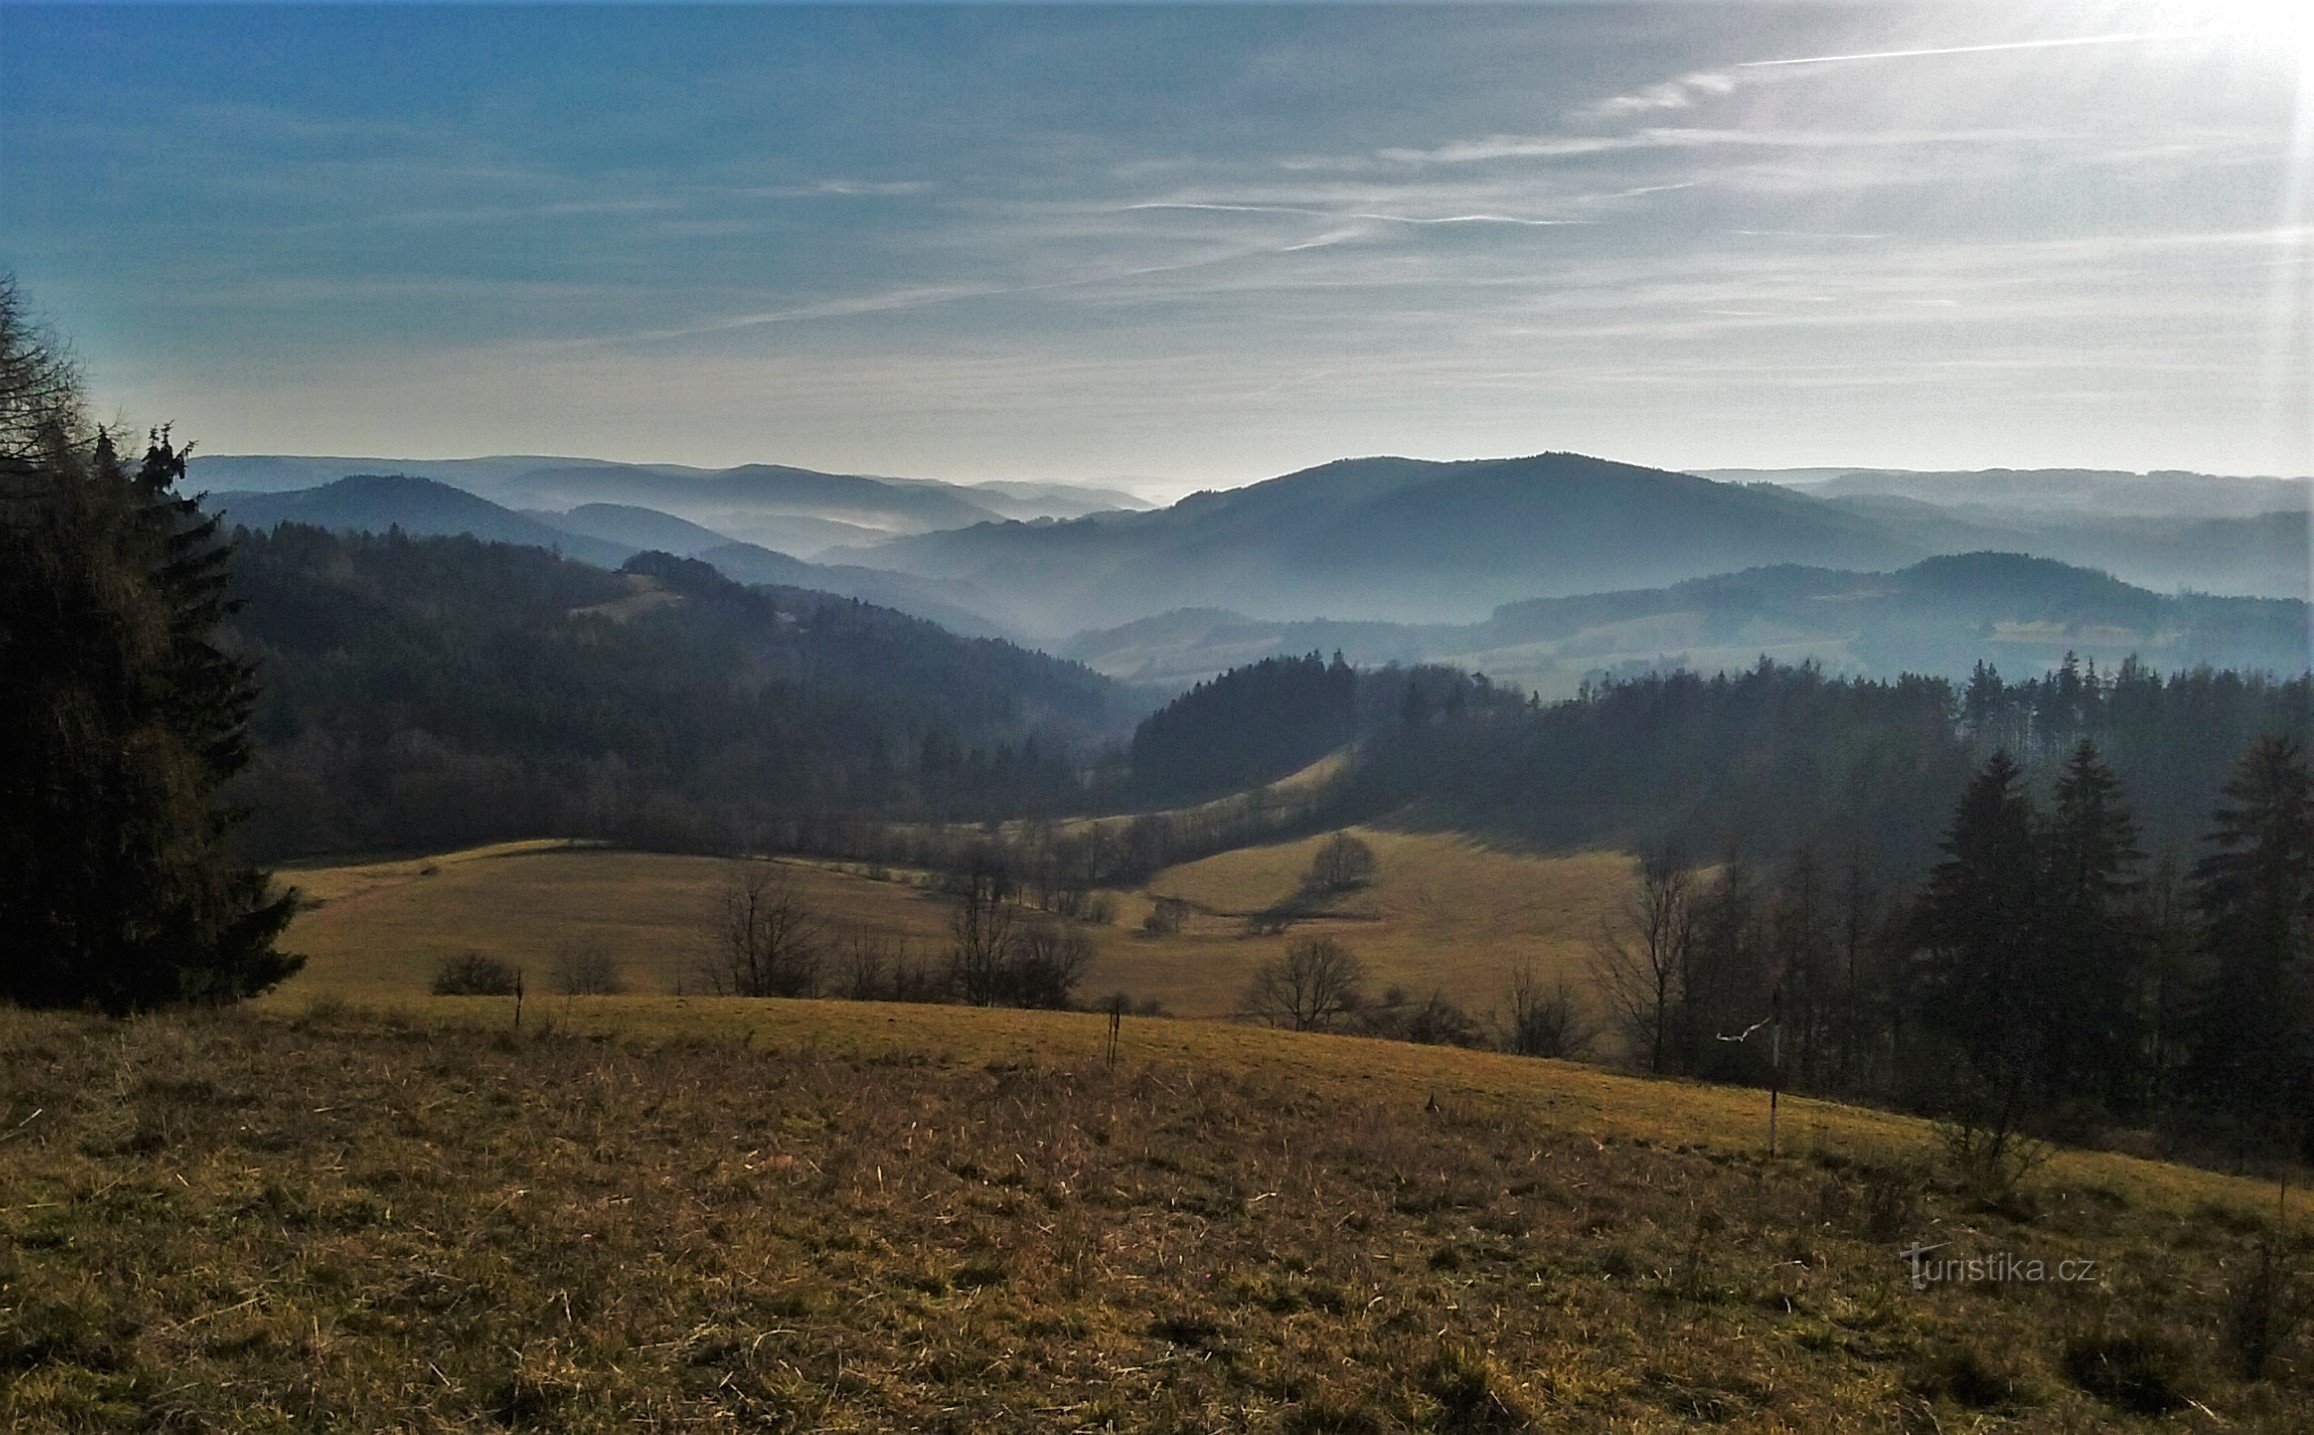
{"x": 2131, "y": 38}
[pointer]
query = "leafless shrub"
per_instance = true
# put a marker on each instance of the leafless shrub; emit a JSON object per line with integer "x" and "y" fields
{"x": 2265, "y": 1304}
{"x": 1049, "y": 959}
{"x": 864, "y": 967}
{"x": 1547, "y": 1021}
{"x": 587, "y": 969}
{"x": 1986, "y": 1145}
{"x": 472, "y": 974}
{"x": 1433, "y": 1021}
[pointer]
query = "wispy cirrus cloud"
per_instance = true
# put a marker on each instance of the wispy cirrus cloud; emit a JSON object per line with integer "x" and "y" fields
{"x": 1679, "y": 94}
{"x": 1372, "y": 215}
{"x": 999, "y": 244}
{"x": 839, "y": 189}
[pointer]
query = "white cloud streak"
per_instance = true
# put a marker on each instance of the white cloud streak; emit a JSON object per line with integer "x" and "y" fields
{"x": 2065, "y": 42}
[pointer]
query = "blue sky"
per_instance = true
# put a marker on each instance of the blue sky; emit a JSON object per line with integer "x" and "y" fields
{"x": 1188, "y": 246}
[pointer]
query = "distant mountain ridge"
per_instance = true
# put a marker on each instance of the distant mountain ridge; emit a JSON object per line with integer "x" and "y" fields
{"x": 605, "y": 535}
{"x": 793, "y": 509}
{"x": 2106, "y": 492}
{"x": 1394, "y": 538}
{"x": 1401, "y": 541}
{"x": 1938, "y": 616}
{"x": 420, "y": 507}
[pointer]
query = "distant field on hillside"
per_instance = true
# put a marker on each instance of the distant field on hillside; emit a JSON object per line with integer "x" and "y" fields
{"x": 1442, "y": 912}
{"x": 710, "y": 1214}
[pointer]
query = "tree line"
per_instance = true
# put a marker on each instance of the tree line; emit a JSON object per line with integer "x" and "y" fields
{"x": 2045, "y": 973}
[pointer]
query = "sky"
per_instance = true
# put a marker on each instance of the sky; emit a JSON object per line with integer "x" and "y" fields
{"x": 1182, "y": 247}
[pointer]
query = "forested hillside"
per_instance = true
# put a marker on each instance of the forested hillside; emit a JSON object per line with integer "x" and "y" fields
{"x": 432, "y": 691}
{"x": 1761, "y": 762}
{"x": 1391, "y": 538}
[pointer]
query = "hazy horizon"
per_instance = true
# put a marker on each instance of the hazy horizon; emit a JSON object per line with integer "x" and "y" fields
{"x": 1164, "y": 492}
{"x": 1193, "y": 246}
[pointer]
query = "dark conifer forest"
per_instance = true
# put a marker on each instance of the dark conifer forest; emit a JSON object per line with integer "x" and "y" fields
{"x": 420, "y": 692}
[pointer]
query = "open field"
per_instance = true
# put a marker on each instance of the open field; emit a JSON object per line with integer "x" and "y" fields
{"x": 1442, "y": 913}
{"x": 714, "y": 1214}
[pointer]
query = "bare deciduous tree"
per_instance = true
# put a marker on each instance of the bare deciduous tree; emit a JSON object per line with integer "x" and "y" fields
{"x": 1343, "y": 864}
{"x": 1546, "y": 1020}
{"x": 768, "y": 941}
{"x": 984, "y": 931}
{"x": 1642, "y": 956}
{"x": 1313, "y": 986}
{"x": 40, "y": 388}
{"x": 1166, "y": 917}
{"x": 864, "y": 968}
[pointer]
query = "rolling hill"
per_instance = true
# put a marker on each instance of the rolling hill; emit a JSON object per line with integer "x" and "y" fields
{"x": 419, "y": 507}
{"x": 2099, "y": 492}
{"x": 637, "y": 529}
{"x": 1939, "y": 616}
{"x": 603, "y": 534}
{"x": 793, "y": 510}
{"x": 1393, "y": 538}
{"x": 2186, "y": 531}
{"x": 417, "y": 687}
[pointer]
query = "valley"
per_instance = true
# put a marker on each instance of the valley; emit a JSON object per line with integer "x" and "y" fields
{"x": 1304, "y": 719}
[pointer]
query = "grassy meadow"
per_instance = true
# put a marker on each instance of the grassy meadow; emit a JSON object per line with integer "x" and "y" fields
{"x": 358, "y": 1206}
{"x": 714, "y": 1214}
{"x": 1442, "y": 912}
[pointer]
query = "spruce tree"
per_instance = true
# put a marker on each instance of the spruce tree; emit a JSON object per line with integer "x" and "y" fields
{"x": 1978, "y": 924}
{"x": 2254, "y": 1042}
{"x": 2090, "y": 979}
{"x": 124, "y": 717}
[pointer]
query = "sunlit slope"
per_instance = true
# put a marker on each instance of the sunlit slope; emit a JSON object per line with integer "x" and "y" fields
{"x": 685, "y": 1213}
{"x": 1442, "y": 912}
{"x": 1569, "y": 1096}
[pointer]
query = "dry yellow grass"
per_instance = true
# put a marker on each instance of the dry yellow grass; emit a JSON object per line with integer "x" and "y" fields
{"x": 683, "y": 1214}
{"x": 1442, "y": 912}
{"x": 380, "y": 929}
{"x": 1575, "y": 1097}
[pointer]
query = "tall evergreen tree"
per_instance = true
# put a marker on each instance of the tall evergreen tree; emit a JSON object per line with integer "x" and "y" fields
{"x": 2254, "y": 1043}
{"x": 123, "y": 719}
{"x": 1977, "y": 922}
{"x": 2090, "y": 994}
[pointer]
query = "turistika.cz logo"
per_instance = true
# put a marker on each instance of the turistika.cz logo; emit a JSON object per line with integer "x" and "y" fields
{"x": 1993, "y": 1268}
